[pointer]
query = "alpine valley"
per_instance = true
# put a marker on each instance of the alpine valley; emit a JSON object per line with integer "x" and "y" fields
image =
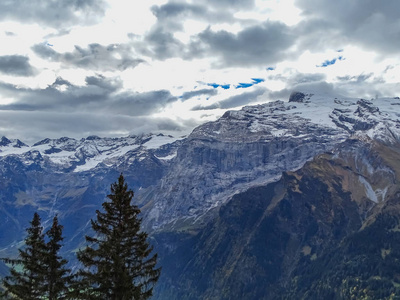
{"x": 295, "y": 199}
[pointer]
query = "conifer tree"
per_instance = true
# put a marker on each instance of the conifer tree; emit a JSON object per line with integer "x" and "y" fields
{"x": 58, "y": 277}
{"x": 30, "y": 282}
{"x": 42, "y": 275}
{"x": 118, "y": 261}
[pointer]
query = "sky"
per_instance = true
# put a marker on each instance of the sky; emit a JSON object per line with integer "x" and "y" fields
{"x": 112, "y": 68}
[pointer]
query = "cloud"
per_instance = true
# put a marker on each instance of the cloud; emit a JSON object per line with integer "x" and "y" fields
{"x": 371, "y": 24}
{"x": 297, "y": 78}
{"x": 253, "y": 46}
{"x": 177, "y": 12}
{"x": 231, "y": 4}
{"x": 140, "y": 104}
{"x": 100, "y": 94}
{"x": 191, "y": 94}
{"x": 94, "y": 57}
{"x": 53, "y": 13}
{"x": 359, "y": 78}
{"x": 257, "y": 44}
{"x": 16, "y": 65}
{"x": 161, "y": 44}
{"x": 176, "y": 9}
{"x": 235, "y": 101}
{"x": 18, "y": 124}
{"x": 322, "y": 87}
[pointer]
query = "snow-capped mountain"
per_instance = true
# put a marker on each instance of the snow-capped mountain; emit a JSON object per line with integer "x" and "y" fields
{"x": 256, "y": 144}
{"x": 68, "y": 154}
{"x": 184, "y": 181}
{"x": 243, "y": 148}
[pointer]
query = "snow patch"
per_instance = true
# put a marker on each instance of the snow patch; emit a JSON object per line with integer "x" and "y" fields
{"x": 369, "y": 191}
{"x": 168, "y": 157}
{"x": 159, "y": 140}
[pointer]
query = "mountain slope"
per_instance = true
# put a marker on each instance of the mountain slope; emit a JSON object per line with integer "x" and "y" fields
{"x": 274, "y": 241}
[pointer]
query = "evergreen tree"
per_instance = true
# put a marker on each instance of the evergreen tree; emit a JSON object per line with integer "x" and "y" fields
{"x": 29, "y": 283}
{"x": 118, "y": 261}
{"x": 42, "y": 275}
{"x": 58, "y": 277}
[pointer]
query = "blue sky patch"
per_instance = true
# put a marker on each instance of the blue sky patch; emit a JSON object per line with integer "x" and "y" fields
{"x": 270, "y": 69}
{"x": 241, "y": 85}
{"x": 257, "y": 80}
{"x": 216, "y": 85}
{"x": 244, "y": 85}
{"x": 328, "y": 62}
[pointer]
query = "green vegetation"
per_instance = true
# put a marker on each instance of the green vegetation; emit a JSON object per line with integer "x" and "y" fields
{"x": 117, "y": 264}
{"x": 359, "y": 268}
{"x": 39, "y": 272}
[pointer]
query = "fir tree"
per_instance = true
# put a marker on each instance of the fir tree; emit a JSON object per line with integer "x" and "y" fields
{"x": 58, "y": 277}
{"x": 118, "y": 262}
{"x": 42, "y": 275}
{"x": 28, "y": 284}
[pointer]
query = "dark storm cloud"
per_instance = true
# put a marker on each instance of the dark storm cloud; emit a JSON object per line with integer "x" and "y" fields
{"x": 372, "y": 24}
{"x": 99, "y": 95}
{"x": 256, "y": 45}
{"x": 191, "y": 94}
{"x": 53, "y": 13}
{"x": 94, "y": 57}
{"x": 235, "y": 101}
{"x": 16, "y": 65}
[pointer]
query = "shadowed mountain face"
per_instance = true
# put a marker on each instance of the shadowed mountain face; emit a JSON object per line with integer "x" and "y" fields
{"x": 295, "y": 239}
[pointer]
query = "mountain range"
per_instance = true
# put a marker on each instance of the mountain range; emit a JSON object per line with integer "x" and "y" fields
{"x": 293, "y": 199}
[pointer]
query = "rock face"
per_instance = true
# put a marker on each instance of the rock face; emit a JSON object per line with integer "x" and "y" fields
{"x": 274, "y": 241}
{"x": 254, "y": 145}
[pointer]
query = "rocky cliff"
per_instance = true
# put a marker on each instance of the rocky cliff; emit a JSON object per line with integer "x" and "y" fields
{"x": 294, "y": 239}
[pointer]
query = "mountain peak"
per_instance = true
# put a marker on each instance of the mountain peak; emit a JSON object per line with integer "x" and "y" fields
{"x": 15, "y": 143}
{"x": 4, "y": 141}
